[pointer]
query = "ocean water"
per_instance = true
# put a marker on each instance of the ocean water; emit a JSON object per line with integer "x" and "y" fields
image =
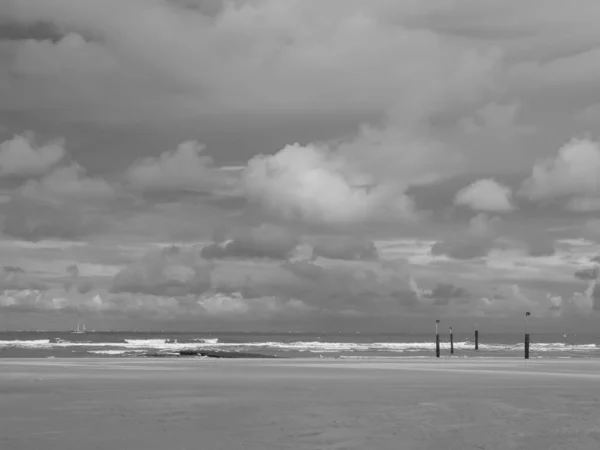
{"x": 44, "y": 344}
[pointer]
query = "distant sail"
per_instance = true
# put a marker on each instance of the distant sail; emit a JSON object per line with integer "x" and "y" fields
{"x": 79, "y": 330}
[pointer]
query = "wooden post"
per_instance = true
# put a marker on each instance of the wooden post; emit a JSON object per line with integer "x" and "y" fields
{"x": 526, "y": 337}
{"x": 476, "y": 338}
{"x": 437, "y": 339}
{"x": 451, "y": 342}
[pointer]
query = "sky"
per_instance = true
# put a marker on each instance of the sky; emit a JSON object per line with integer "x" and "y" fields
{"x": 307, "y": 165}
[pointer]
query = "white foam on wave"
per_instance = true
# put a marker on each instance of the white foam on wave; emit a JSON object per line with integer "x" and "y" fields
{"x": 207, "y": 341}
{"x": 150, "y": 342}
{"x": 114, "y": 352}
{"x": 560, "y": 346}
{"x": 25, "y": 344}
{"x": 158, "y": 342}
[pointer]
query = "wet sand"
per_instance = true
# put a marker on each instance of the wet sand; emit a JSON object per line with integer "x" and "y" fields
{"x": 185, "y": 404}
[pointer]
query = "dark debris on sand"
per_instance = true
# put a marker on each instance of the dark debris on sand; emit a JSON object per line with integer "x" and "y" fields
{"x": 208, "y": 354}
{"x": 222, "y": 354}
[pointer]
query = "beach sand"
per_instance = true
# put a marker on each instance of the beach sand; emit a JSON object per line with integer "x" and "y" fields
{"x": 177, "y": 404}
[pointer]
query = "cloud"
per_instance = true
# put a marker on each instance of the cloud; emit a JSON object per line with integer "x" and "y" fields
{"x": 266, "y": 241}
{"x": 461, "y": 249}
{"x": 573, "y": 174}
{"x": 38, "y": 31}
{"x": 304, "y": 60}
{"x": 69, "y": 183}
{"x": 584, "y": 204}
{"x": 73, "y": 270}
{"x": 175, "y": 283}
{"x": 581, "y": 303}
{"x": 82, "y": 286}
{"x": 540, "y": 245}
{"x": 35, "y": 220}
{"x": 380, "y": 97}
{"x": 315, "y": 185}
{"x": 596, "y": 297}
{"x": 302, "y": 56}
{"x": 444, "y": 293}
{"x": 347, "y": 248}
{"x": 20, "y": 156}
{"x": 237, "y": 307}
{"x": 60, "y": 201}
{"x": 13, "y": 269}
{"x": 486, "y": 195}
{"x": 508, "y": 301}
{"x": 183, "y": 169}
{"x": 495, "y": 121}
{"x": 477, "y": 242}
{"x": 64, "y": 204}
{"x": 366, "y": 289}
{"x": 590, "y": 273}
{"x": 20, "y": 284}
{"x": 170, "y": 272}
{"x": 556, "y": 304}
{"x": 12, "y": 280}
{"x": 22, "y": 299}
{"x": 85, "y": 287}
{"x": 303, "y": 63}
{"x": 534, "y": 241}
{"x": 592, "y": 226}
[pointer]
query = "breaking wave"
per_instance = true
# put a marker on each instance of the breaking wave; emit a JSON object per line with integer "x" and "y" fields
{"x": 132, "y": 346}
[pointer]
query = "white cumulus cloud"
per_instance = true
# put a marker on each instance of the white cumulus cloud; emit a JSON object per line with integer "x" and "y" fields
{"x": 318, "y": 186}
{"x": 21, "y": 155}
{"x": 182, "y": 169}
{"x": 574, "y": 173}
{"x": 486, "y": 195}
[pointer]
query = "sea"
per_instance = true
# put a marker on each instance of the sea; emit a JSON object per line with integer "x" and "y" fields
{"x": 137, "y": 344}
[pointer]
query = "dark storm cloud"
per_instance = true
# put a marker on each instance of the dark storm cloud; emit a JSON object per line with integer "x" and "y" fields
{"x": 38, "y": 31}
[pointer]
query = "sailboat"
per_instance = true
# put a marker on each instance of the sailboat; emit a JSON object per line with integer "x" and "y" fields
{"x": 80, "y": 329}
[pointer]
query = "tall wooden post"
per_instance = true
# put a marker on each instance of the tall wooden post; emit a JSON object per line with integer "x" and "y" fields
{"x": 437, "y": 339}
{"x": 451, "y": 342}
{"x": 476, "y": 337}
{"x": 526, "y": 337}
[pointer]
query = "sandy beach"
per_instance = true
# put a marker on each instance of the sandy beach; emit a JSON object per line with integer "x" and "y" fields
{"x": 185, "y": 404}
